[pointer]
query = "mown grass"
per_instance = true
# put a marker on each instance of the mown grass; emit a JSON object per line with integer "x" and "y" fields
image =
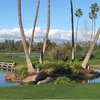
{"x": 50, "y": 91}
{"x": 35, "y": 57}
{"x": 15, "y": 58}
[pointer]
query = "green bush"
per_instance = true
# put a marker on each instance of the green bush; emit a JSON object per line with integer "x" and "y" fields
{"x": 61, "y": 52}
{"x": 23, "y": 71}
{"x": 55, "y": 65}
{"x": 59, "y": 65}
{"x": 75, "y": 64}
{"x": 62, "y": 80}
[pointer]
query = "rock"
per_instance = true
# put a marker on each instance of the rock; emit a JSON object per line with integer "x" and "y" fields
{"x": 96, "y": 74}
{"x": 33, "y": 79}
{"x": 41, "y": 76}
{"x": 50, "y": 71}
{"x": 10, "y": 76}
{"x": 29, "y": 79}
{"x": 47, "y": 80}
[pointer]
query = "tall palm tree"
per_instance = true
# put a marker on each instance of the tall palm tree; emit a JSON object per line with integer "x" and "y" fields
{"x": 72, "y": 23}
{"x": 90, "y": 16}
{"x": 28, "y": 60}
{"x": 34, "y": 26}
{"x": 84, "y": 64}
{"x": 47, "y": 32}
{"x": 78, "y": 14}
{"x": 93, "y": 15}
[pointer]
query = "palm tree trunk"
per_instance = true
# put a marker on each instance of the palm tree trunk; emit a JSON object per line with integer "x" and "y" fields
{"x": 92, "y": 31}
{"x": 72, "y": 22}
{"x": 94, "y": 27}
{"x": 47, "y": 32}
{"x": 76, "y": 34}
{"x": 28, "y": 60}
{"x": 84, "y": 64}
{"x": 34, "y": 26}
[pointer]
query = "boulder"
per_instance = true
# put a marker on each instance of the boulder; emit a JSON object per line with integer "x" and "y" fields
{"x": 41, "y": 76}
{"x": 29, "y": 79}
{"x": 50, "y": 71}
{"x": 10, "y": 76}
{"x": 47, "y": 80}
{"x": 33, "y": 79}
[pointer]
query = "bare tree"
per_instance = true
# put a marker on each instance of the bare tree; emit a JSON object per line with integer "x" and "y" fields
{"x": 34, "y": 26}
{"x": 28, "y": 60}
{"x": 85, "y": 33}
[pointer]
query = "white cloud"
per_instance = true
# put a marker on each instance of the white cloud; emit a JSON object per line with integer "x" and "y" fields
{"x": 55, "y": 35}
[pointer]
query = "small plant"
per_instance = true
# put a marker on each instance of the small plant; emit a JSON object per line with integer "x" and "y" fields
{"x": 75, "y": 64}
{"x": 62, "y": 80}
{"x": 23, "y": 71}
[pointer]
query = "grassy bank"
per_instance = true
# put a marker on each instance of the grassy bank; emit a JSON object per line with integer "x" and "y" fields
{"x": 67, "y": 91}
{"x": 17, "y": 57}
{"x": 20, "y": 60}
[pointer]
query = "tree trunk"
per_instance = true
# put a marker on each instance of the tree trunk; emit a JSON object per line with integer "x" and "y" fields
{"x": 84, "y": 64}
{"x": 94, "y": 26}
{"x": 76, "y": 34}
{"x": 28, "y": 60}
{"x": 34, "y": 26}
{"x": 47, "y": 31}
{"x": 72, "y": 22}
{"x": 92, "y": 31}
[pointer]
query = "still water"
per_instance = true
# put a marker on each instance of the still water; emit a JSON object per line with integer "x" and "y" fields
{"x": 96, "y": 80}
{"x": 3, "y": 73}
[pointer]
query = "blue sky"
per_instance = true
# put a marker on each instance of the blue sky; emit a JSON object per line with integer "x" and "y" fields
{"x": 60, "y": 14}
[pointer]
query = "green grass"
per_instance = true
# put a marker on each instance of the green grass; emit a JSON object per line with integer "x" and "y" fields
{"x": 66, "y": 91}
{"x": 14, "y": 58}
{"x": 21, "y": 61}
{"x": 95, "y": 60}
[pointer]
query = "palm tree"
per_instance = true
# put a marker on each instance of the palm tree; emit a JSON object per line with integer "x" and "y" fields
{"x": 28, "y": 60}
{"x": 78, "y": 14}
{"x": 90, "y": 16}
{"x": 72, "y": 23}
{"x": 93, "y": 15}
{"x": 84, "y": 64}
{"x": 34, "y": 26}
{"x": 47, "y": 32}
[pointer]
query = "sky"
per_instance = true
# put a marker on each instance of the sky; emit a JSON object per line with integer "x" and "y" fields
{"x": 60, "y": 18}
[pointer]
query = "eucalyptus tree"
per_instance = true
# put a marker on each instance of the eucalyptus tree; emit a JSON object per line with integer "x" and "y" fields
{"x": 72, "y": 25}
{"x": 28, "y": 60}
{"x": 34, "y": 26}
{"x": 78, "y": 14}
{"x": 93, "y": 15}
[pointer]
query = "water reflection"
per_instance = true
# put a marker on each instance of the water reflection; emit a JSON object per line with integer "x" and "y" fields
{"x": 93, "y": 80}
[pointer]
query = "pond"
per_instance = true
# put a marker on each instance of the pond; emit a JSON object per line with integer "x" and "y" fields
{"x": 96, "y": 80}
{"x": 3, "y": 73}
{"x": 18, "y": 55}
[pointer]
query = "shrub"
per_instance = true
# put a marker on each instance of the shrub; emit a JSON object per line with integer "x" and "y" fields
{"x": 75, "y": 64}
{"x": 55, "y": 65}
{"x": 62, "y": 80}
{"x": 23, "y": 71}
{"x": 60, "y": 53}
